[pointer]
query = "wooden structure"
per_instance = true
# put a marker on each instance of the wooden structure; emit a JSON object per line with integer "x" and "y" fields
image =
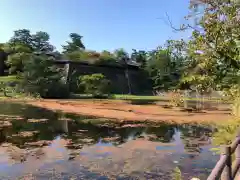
{"x": 124, "y": 78}
{"x": 226, "y": 169}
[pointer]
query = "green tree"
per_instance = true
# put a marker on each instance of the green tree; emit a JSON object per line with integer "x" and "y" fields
{"x": 19, "y": 48}
{"x": 21, "y": 37}
{"x": 89, "y": 56}
{"x": 42, "y": 77}
{"x": 23, "y": 44}
{"x": 95, "y": 84}
{"x": 106, "y": 57}
{"x": 215, "y": 47}
{"x": 163, "y": 69}
{"x": 139, "y": 57}
{"x": 75, "y": 44}
{"x": 16, "y": 60}
{"x": 121, "y": 55}
{"x": 177, "y": 50}
{"x": 40, "y": 42}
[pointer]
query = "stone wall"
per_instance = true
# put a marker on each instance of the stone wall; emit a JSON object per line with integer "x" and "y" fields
{"x": 116, "y": 74}
{"x": 3, "y": 58}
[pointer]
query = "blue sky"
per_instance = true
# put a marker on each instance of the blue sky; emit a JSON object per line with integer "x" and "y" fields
{"x": 105, "y": 24}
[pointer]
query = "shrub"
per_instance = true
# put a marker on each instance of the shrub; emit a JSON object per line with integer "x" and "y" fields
{"x": 176, "y": 99}
{"x": 95, "y": 84}
{"x": 177, "y": 175}
{"x": 42, "y": 77}
{"x": 9, "y": 84}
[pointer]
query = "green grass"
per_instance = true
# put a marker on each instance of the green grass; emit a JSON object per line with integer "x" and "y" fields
{"x": 12, "y": 78}
{"x": 8, "y": 78}
{"x": 157, "y": 98}
{"x": 135, "y": 97}
{"x": 4, "y": 80}
{"x": 128, "y": 97}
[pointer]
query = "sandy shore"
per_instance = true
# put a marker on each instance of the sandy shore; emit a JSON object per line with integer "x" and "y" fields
{"x": 123, "y": 111}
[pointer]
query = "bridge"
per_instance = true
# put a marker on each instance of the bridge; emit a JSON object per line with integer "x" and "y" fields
{"x": 229, "y": 163}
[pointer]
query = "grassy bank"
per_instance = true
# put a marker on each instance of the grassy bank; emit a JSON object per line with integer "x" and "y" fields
{"x": 6, "y": 79}
{"x": 141, "y": 97}
{"x": 157, "y": 98}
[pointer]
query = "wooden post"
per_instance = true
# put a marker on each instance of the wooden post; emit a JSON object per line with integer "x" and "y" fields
{"x": 237, "y": 155}
{"x": 236, "y": 162}
{"x": 227, "y": 172}
{"x": 224, "y": 167}
{"x": 237, "y": 151}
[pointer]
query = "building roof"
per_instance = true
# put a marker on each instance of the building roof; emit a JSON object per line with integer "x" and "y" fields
{"x": 130, "y": 64}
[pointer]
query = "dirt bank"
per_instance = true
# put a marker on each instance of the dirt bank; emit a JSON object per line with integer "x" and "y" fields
{"x": 122, "y": 111}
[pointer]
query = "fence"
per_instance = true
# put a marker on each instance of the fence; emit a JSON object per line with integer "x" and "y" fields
{"x": 225, "y": 169}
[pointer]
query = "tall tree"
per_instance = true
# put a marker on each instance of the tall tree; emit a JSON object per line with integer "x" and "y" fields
{"x": 40, "y": 42}
{"x": 165, "y": 64}
{"x": 19, "y": 48}
{"x": 215, "y": 46}
{"x": 23, "y": 44}
{"x": 75, "y": 44}
{"x": 159, "y": 67}
{"x": 42, "y": 77}
{"x": 22, "y": 38}
{"x": 121, "y": 55}
{"x": 139, "y": 57}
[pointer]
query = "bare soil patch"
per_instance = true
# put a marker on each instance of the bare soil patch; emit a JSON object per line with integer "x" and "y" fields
{"x": 122, "y": 111}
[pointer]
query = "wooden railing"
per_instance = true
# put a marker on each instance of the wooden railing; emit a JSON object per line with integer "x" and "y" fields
{"x": 225, "y": 169}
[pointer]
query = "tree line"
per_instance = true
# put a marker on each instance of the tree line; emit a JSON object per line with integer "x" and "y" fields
{"x": 208, "y": 60}
{"x": 163, "y": 65}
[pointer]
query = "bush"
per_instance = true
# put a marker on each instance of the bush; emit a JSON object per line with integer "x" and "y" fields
{"x": 177, "y": 175}
{"x": 9, "y": 84}
{"x": 176, "y": 99}
{"x": 95, "y": 84}
{"x": 42, "y": 77}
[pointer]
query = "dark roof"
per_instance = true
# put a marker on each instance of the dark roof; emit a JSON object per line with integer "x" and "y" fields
{"x": 130, "y": 64}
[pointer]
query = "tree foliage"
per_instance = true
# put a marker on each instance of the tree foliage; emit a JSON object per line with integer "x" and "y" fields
{"x": 121, "y": 55}
{"x": 42, "y": 77}
{"x": 214, "y": 47}
{"x": 23, "y": 44}
{"x": 95, "y": 84}
{"x": 165, "y": 65}
{"x": 139, "y": 57}
{"x": 40, "y": 42}
{"x": 75, "y": 44}
{"x": 106, "y": 57}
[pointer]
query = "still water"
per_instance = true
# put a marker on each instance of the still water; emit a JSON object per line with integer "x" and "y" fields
{"x": 42, "y": 144}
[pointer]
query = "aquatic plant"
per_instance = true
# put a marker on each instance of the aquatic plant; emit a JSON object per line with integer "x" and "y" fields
{"x": 177, "y": 175}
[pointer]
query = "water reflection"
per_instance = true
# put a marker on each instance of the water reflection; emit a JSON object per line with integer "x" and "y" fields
{"x": 73, "y": 147}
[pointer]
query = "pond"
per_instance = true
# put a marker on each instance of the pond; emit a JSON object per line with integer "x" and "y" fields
{"x": 41, "y": 144}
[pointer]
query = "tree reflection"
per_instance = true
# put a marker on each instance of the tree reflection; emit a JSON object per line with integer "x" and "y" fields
{"x": 194, "y": 137}
{"x": 79, "y": 132}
